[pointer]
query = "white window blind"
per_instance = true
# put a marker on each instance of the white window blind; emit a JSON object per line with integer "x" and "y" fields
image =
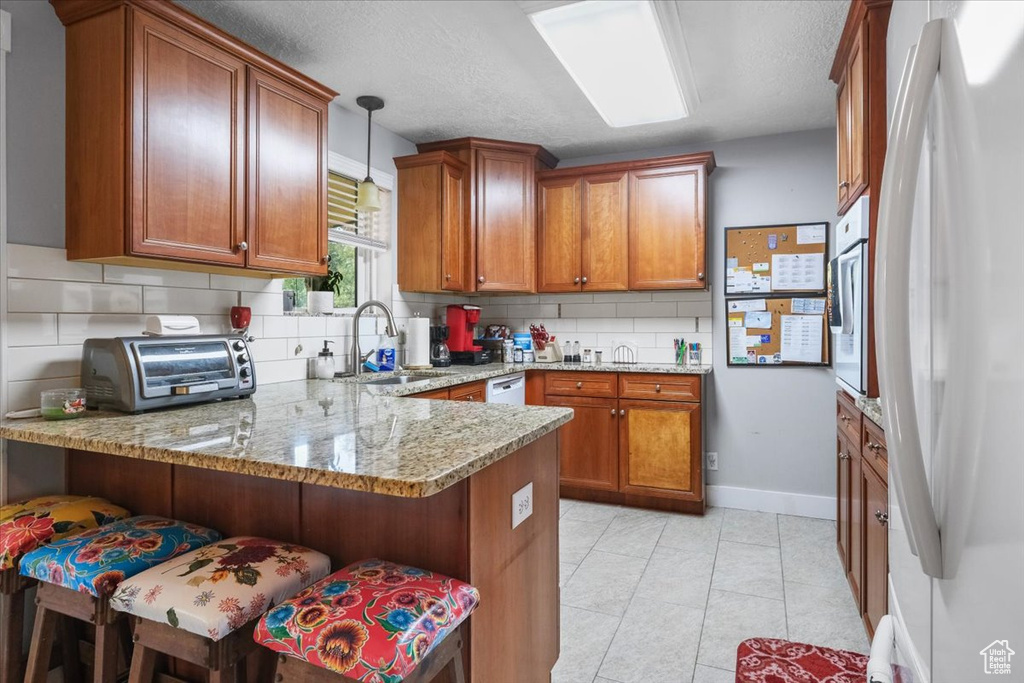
{"x": 356, "y": 228}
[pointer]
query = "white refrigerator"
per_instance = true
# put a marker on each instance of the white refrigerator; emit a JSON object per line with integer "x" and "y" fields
{"x": 949, "y": 301}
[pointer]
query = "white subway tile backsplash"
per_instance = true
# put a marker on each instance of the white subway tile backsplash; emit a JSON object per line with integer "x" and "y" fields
{"x": 263, "y": 303}
{"x": 274, "y": 371}
{"x": 518, "y": 299}
{"x": 312, "y": 326}
{"x": 188, "y": 301}
{"x": 589, "y": 310}
{"x": 280, "y": 326}
{"x": 75, "y": 328}
{"x": 655, "y": 355}
{"x": 214, "y": 324}
{"x": 47, "y": 263}
{"x": 612, "y": 339}
{"x": 52, "y": 296}
{"x": 44, "y": 362}
{"x": 338, "y": 326}
{"x": 31, "y": 329}
{"x": 269, "y": 349}
{"x": 622, "y": 297}
{"x": 532, "y": 311}
{"x": 125, "y": 275}
{"x": 651, "y": 309}
{"x": 665, "y": 325}
{"x": 704, "y": 325}
{"x": 24, "y": 395}
{"x": 694, "y": 309}
{"x": 605, "y": 324}
{"x": 246, "y": 284}
{"x": 682, "y": 295}
{"x": 566, "y": 298}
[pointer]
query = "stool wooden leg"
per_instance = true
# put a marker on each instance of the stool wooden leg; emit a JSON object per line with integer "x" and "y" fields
{"x": 69, "y": 650}
{"x": 225, "y": 674}
{"x": 42, "y": 645}
{"x": 12, "y": 615}
{"x": 458, "y": 673}
{"x": 105, "y": 665}
{"x": 143, "y": 665}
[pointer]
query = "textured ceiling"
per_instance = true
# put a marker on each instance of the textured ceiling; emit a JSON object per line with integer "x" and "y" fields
{"x": 451, "y": 68}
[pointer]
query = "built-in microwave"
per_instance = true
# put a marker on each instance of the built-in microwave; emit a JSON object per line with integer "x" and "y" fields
{"x": 848, "y": 291}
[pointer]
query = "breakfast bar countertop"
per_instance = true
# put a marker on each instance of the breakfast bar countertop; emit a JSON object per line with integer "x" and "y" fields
{"x": 341, "y": 434}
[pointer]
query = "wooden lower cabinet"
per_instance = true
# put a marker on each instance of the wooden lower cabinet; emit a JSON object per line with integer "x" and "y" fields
{"x": 589, "y": 444}
{"x": 473, "y": 392}
{"x": 660, "y": 449}
{"x": 843, "y": 465}
{"x": 876, "y": 550}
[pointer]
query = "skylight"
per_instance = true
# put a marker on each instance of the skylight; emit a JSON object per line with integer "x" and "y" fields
{"x": 616, "y": 53}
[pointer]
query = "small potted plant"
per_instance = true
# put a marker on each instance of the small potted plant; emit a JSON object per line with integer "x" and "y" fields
{"x": 322, "y": 290}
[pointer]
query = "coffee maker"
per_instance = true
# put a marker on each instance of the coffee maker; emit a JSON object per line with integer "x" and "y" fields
{"x": 462, "y": 318}
{"x": 439, "y": 355}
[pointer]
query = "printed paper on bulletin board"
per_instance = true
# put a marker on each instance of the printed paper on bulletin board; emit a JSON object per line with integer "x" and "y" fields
{"x": 781, "y": 331}
{"x": 776, "y": 259}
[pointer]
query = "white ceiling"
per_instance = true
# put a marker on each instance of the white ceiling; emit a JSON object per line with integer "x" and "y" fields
{"x": 452, "y": 68}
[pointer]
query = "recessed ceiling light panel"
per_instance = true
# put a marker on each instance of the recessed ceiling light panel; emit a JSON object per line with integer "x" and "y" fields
{"x": 616, "y": 53}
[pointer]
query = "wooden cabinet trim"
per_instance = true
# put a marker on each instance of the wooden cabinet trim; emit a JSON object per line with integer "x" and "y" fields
{"x": 542, "y": 155}
{"x": 657, "y": 387}
{"x": 705, "y": 159}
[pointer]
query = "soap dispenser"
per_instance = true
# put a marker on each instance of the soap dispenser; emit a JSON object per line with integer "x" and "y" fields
{"x": 325, "y": 362}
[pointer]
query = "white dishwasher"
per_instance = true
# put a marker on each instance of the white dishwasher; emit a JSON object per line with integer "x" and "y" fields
{"x": 509, "y": 389}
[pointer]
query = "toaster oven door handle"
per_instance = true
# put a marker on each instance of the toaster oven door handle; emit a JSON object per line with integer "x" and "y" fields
{"x": 188, "y": 389}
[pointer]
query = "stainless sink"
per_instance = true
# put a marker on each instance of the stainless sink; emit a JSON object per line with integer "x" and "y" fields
{"x": 401, "y": 379}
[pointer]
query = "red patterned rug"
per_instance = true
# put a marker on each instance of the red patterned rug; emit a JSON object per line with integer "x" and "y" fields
{"x": 769, "y": 660}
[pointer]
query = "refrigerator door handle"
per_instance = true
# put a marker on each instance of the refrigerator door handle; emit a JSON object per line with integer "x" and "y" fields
{"x": 892, "y": 291}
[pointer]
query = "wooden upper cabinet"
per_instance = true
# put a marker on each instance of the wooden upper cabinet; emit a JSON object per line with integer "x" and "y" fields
{"x": 660, "y": 449}
{"x": 843, "y": 142}
{"x": 605, "y": 247}
{"x": 163, "y": 113}
{"x": 287, "y": 177}
{"x": 856, "y": 74}
{"x": 559, "y": 235}
{"x": 434, "y": 241}
{"x": 666, "y": 228}
{"x": 505, "y": 227}
{"x": 187, "y": 146}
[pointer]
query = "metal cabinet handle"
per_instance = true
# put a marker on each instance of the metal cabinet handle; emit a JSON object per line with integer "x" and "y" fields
{"x": 874, "y": 446}
{"x": 243, "y": 246}
{"x": 326, "y": 258}
{"x": 700, "y": 276}
{"x": 579, "y": 385}
{"x": 622, "y": 412}
{"x": 471, "y": 398}
{"x": 844, "y": 418}
{"x": 845, "y": 183}
{"x": 584, "y": 279}
{"x": 480, "y": 279}
{"x": 844, "y": 456}
{"x": 882, "y": 517}
{"x": 448, "y": 276}
{"x": 613, "y": 412}
{"x": 576, "y": 281}
{"x": 657, "y": 388}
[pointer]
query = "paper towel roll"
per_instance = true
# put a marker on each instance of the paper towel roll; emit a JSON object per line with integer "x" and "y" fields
{"x": 417, "y": 343}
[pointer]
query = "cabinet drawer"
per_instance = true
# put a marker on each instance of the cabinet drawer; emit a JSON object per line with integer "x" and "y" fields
{"x": 848, "y": 418}
{"x": 437, "y": 395}
{"x": 598, "y": 384}
{"x": 660, "y": 387}
{"x": 475, "y": 391}
{"x": 872, "y": 448}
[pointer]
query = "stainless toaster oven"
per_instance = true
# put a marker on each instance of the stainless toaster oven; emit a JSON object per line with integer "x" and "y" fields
{"x": 134, "y": 374}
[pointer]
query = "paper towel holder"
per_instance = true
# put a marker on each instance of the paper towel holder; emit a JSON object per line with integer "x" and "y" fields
{"x": 422, "y": 337}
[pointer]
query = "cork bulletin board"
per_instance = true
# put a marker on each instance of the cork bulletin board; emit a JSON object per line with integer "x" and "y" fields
{"x": 777, "y": 332}
{"x": 776, "y": 259}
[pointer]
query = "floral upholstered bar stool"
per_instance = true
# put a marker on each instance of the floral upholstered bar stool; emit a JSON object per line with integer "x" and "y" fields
{"x": 202, "y": 607}
{"x": 24, "y": 527}
{"x": 77, "y": 575}
{"x": 373, "y": 621}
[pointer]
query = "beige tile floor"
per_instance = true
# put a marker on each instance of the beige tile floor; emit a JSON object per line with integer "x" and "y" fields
{"x": 661, "y": 597}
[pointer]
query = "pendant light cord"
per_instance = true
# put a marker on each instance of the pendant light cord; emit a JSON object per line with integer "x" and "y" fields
{"x": 369, "y": 124}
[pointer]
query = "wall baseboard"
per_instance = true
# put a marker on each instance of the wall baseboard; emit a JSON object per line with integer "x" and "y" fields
{"x": 799, "y": 504}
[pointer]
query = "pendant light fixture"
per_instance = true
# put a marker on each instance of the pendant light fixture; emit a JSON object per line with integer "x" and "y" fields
{"x": 368, "y": 196}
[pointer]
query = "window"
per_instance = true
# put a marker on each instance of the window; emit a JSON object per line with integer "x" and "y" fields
{"x": 354, "y": 238}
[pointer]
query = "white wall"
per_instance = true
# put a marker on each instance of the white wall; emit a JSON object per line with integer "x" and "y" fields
{"x": 773, "y": 428}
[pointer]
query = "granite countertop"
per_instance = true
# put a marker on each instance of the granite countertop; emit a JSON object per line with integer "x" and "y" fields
{"x": 339, "y": 434}
{"x": 872, "y": 409}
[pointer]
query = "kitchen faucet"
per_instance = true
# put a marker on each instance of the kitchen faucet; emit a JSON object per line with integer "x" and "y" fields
{"x": 391, "y": 330}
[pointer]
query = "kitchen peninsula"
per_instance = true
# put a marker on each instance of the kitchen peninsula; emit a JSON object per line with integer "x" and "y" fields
{"x": 354, "y": 473}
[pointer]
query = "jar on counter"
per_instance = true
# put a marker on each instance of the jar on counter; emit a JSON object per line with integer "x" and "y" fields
{"x": 597, "y": 357}
{"x": 517, "y": 354}
{"x": 587, "y": 356}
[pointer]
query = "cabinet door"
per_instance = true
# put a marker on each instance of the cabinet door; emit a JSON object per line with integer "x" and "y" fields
{"x": 856, "y": 76}
{"x": 666, "y": 228}
{"x": 455, "y": 241}
{"x": 421, "y": 245}
{"x": 843, "y": 509}
{"x": 605, "y": 233}
{"x": 843, "y": 143}
{"x": 588, "y": 445}
{"x": 660, "y": 449}
{"x": 876, "y": 557}
{"x": 473, "y": 392}
{"x": 287, "y": 177}
{"x": 187, "y": 146}
{"x": 505, "y": 239}
{"x": 855, "y": 573}
{"x": 558, "y": 235}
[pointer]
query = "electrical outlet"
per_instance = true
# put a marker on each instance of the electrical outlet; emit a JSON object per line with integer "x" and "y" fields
{"x": 522, "y": 505}
{"x": 712, "y": 459}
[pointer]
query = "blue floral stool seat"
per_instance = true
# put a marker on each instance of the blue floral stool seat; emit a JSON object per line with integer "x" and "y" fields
{"x": 373, "y": 621}
{"x": 202, "y": 606}
{"x": 24, "y": 526}
{"x": 78, "y": 574}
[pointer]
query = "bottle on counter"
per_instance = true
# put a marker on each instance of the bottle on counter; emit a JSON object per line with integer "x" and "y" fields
{"x": 575, "y": 352}
{"x": 567, "y": 352}
{"x": 325, "y": 366}
{"x": 587, "y": 356}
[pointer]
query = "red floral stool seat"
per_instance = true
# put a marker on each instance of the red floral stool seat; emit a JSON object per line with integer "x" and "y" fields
{"x": 769, "y": 660}
{"x": 24, "y": 526}
{"x": 373, "y": 621}
{"x": 202, "y": 606}
{"x": 78, "y": 574}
